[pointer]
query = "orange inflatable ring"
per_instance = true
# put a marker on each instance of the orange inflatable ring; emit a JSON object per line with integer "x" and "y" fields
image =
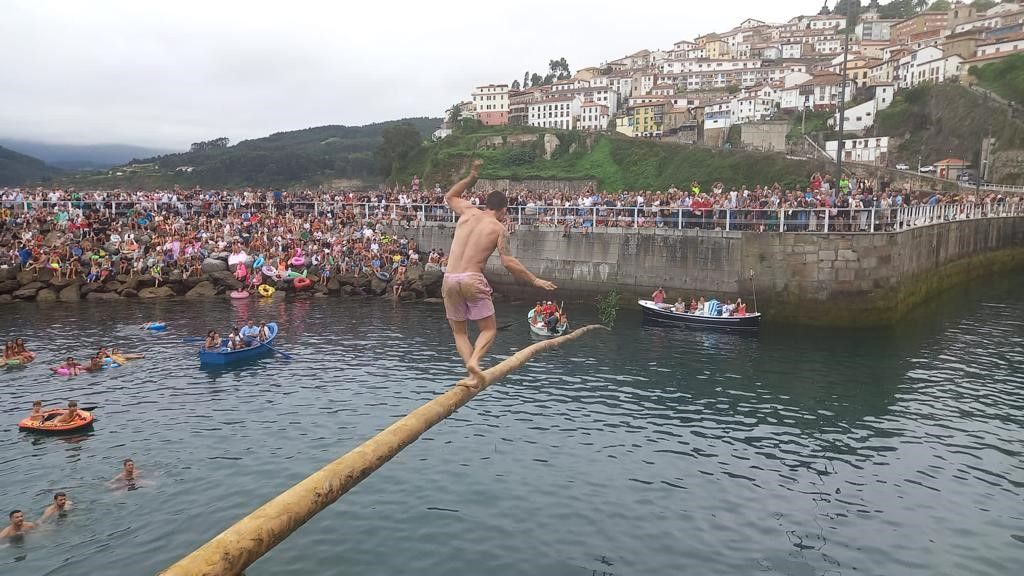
{"x": 83, "y": 420}
{"x": 301, "y": 283}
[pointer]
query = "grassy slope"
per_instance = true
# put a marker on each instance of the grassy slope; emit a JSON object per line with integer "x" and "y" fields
{"x": 16, "y": 168}
{"x": 946, "y": 120}
{"x": 1005, "y": 78}
{"x": 617, "y": 163}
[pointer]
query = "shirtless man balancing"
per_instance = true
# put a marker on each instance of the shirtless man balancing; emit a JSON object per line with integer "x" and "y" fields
{"x": 467, "y": 296}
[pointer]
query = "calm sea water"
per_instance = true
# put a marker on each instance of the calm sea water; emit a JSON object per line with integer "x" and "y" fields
{"x": 647, "y": 451}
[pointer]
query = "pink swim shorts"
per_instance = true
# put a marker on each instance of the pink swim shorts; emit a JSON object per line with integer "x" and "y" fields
{"x": 467, "y": 296}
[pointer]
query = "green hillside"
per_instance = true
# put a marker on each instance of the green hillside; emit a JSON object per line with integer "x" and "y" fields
{"x": 616, "y": 162}
{"x": 16, "y": 169}
{"x": 1005, "y": 77}
{"x": 937, "y": 121}
{"x": 310, "y": 156}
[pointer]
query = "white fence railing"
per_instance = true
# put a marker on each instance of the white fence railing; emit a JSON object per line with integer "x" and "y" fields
{"x": 819, "y": 220}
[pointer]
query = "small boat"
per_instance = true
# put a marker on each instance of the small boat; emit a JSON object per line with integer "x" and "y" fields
{"x": 226, "y": 355}
{"x": 83, "y": 421}
{"x": 538, "y": 327}
{"x": 665, "y": 313}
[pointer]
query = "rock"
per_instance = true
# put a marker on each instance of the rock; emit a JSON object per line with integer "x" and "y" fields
{"x": 174, "y": 276}
{"x": 413, "y": 273}
{"x": 161, "y": 292}
{"x": 378, "y": 286}
{"x": 90, "y": 288}
{"x": 432, "y": 283}
{"x": 61, "y": 283}
{"x": 225, "y": 279}
{"x": 211, "y": 265}
{"x": 25, "y": 276}
{"x": 202, "y": 290}
{"x": 144, "y": 282}
{"x": 69, "y": 293}
{"x": 130, "y": 293}
{"x": 407, "y": 296}
{"x": 102, "y": 296}
{"x": 351, "y": 291}
{"x": 122, "y": 278}
{"x": 333, "y": 286}
{"x": 320, "y": 294}
{"x": 114, "y": 286}
{"x": 8, "y": 286}
{"x": 45, "y": 274}
{"x": 434, "y": 300}
{"x": 8, "y": 273}
{"x": 416, "y": 288}
{"x": 193, "y": 281}
{"x": 28, "y": 291}
{"x": 46, "y": 295}
{"x": 5, "y": 298}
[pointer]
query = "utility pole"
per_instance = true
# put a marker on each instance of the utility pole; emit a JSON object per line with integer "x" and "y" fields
{"x": 842, "y": 96}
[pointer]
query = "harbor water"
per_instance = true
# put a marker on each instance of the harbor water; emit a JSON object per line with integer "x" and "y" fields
{"x": 644, "y": 451}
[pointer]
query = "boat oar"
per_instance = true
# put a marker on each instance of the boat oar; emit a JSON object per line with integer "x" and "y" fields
{"x": 191, "y": 339}
{"x": 285, "y": 356}
{"x": 509, "y": 325}
{"x": 89, "y": 408}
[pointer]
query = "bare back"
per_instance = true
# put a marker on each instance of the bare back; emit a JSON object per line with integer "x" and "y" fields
{"x": 476, "y": 237}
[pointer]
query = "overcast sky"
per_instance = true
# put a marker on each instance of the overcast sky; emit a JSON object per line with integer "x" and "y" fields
{"x": 166, "y": 74}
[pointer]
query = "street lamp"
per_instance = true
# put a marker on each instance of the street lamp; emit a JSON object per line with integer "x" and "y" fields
{"x": 842, "y": 94}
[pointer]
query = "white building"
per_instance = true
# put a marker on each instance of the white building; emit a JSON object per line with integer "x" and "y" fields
{"x": 593, "y": 117}
{"x": 874, "y": 29}
{"x": 863, "y": 116}
{"x": 557, "y": 112}
{"x": 866, "y": 150}
{"x": 1010, "y": 44}
{"x": 926, "y": 65}
{"x": 718, "y": 114}
{"x": 792, "y": 50}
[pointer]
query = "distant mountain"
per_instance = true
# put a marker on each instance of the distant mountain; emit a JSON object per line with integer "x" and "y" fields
{"x": 81, "y": 157}
{"x": 311, "y": 155}
{"x": 16, "y": 169}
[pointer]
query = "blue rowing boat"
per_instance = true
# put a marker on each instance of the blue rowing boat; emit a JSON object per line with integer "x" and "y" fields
{"x": 226, "y": 355}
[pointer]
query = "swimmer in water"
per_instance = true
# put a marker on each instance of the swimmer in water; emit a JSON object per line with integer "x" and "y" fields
{"x": 61, "y": 505}
{"x": 18, "y": 525}
{"x": 128, "y": 479}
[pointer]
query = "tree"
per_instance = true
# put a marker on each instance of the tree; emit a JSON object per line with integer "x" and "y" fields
{"x": 849, "y": 8}
{"x": 400, "y": 141}
{"x": 515, "y": 84}
{"x": 897, "y": 9}
{"x": 559, "y": 69}
{"x": 920, "y": 5}
{"x": 983, "y": 5}
{"x": 526, "y": 79}
{"x": 940, "y": 6}
{"x": 214, "y": 144}
{"x": 536, "y": 79}
{"x": 453, "y": 115}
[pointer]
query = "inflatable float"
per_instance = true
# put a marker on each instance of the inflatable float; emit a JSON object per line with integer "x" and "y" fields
{"x": 301, "y": 283}
{"x": 82, "y": 420}
{"x": 266, "y": 291}
{"x": 237, "y": 294}
{"x": 155, "y": 326}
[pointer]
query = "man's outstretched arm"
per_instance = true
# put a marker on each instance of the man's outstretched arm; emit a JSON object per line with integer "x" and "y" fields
{"x": 454, "y": 197}
{"x": 516, "y": 267}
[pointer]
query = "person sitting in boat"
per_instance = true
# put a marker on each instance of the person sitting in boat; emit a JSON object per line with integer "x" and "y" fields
{"x": 701, "y": 306}
{"x": 212, "y": 341}
{"x": 693, "y": 305}
{"x": 264, "y": 333}
{"x": 37, "y": 411}
{"x": 680, "y": 306}
{"x": 19, "y": 349}
{"x": 69, "y": 415}
{"x": 249, "y": 333}
{"x": 234, "y": 340}
{"x": 538, "y": 312}
{"x": 728, "y": 308}
{"x": 658, "y": 296}
{"x": 741, "y": 307}
{"x": 551, "y": 322}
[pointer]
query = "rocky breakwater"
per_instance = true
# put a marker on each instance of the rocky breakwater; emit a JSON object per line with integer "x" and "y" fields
{"x": 216, "y": 280}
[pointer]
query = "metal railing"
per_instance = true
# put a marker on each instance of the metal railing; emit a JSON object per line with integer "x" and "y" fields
{"x": 592, "y": 218}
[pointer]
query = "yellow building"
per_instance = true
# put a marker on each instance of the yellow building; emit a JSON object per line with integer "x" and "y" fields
{"x": 648, "y": 118}
{"x": 716, "y": 49}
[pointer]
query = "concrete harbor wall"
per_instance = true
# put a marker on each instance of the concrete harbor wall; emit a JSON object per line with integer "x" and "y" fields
{"x": 841, "y": 279}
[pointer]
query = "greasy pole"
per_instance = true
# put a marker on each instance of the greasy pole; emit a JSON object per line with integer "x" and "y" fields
{"x": 233, "y": 550}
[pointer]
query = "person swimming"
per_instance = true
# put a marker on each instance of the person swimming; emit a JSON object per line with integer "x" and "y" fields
{"x": 18, "y": 526}
{"x": 60, "y": 507}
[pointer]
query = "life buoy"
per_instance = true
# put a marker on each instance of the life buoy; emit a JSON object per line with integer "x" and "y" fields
{"x": 298, "y": 261}
{"x": 301, "y": 283}
{"x": 269, "y": 270}
{"x": 258, "y": 263}
{"x": 266, "y": 291}
{"x": 384, "y": 276}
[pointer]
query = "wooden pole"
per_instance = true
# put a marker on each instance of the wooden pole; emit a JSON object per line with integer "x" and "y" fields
{"x": 233, "y": 550}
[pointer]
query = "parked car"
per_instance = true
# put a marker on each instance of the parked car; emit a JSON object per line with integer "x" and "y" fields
{"x": 902, "y": 166}
{"x": 927, "y": 168}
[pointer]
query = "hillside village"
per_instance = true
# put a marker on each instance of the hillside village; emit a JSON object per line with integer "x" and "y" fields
{"x": 758, "y": 75}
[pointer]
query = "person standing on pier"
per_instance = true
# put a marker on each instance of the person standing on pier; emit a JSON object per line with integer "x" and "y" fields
{"x": 467, "y": 295}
